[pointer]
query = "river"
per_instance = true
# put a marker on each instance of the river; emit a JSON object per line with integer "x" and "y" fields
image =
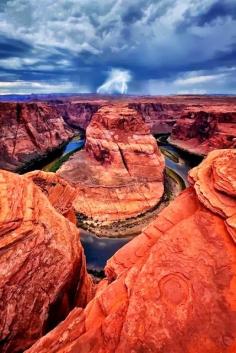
{"x": 99, "y": 249}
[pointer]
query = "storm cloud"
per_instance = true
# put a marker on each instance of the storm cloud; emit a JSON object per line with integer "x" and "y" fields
{"x": 165, "y": 46}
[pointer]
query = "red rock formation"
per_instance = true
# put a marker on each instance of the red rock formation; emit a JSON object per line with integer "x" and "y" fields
{"x": 76, "y": 114}
{"x": 120, "y": 173}
{"x": 160, "y": 117}
{"x": 42, "y": 265}
{"x": 173, "y": 288}
{"x": 29, "y": 131}
{"x": 201, "y": 132}
{"x": 60, "y": 194}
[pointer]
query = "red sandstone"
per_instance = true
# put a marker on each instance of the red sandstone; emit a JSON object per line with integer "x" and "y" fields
{"x": 42, "y": 265}
{"x": 201, "y": 132}
{"x": 173, "y": 288}
{"x": 120, "y": 172}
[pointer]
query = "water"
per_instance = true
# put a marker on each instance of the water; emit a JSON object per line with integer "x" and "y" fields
{"x": 99, "y": 250}
{"x": 73, "y": 146}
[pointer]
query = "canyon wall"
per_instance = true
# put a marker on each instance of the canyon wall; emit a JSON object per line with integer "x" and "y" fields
{"x": 76, "y": 114}
{"x": 201, "y": 132}
{"x": 29, "y": 131}
{"x": 171, "y": 289}
{"x": 42, "y": 264}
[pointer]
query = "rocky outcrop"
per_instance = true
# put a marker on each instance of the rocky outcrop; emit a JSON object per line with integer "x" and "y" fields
{"x": 60, "y": 194}
{"x": 160, "y": 117}
{"x": 120, "y": 173}
{"x": 29, "y": 131}
{"x": 172, "y": 289}
{"x": 77, "y": 114}
{"x": 42, "y": 265}
{"x": 201, "y": 132}
{"x": 161, "y": 113}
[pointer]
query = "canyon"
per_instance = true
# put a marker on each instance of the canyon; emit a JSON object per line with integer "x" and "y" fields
{"x": 120, "y": 173}
{"x": 171, "y": 287}
{"x": 152, "y": 179}
{"x": 33, "y": 129}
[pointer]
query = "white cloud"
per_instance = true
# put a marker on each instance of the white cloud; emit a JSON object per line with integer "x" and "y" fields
{"x": 198, "y": 79}
{"x": 28, "y": 87}
{"x": 116, "y": 82}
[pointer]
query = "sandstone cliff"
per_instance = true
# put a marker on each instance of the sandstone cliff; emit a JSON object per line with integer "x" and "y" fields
{"x": 201, "y": 132}
{"x": 76, "y": 114}
{"x": 172, "y": 289}
{"x": 42, "y": 265}
{"x": 160, "y": 117}
{"x": 29, "y": 131}
{"x": 120, "y": 173}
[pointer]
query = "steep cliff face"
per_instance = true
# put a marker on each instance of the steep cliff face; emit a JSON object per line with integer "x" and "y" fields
{"x": 29, "y": 131}
{"x": 120, "y": 173}
{"x": 160, "y": 117}
{"x": 201, "y": 132}
{"x": 76, "y": 114}
{"x": 42, "y": 265}
{"x": 171, "y": 289}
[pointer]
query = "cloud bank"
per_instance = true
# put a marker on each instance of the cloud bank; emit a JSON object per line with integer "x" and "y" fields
{"x": 162, "y": 44}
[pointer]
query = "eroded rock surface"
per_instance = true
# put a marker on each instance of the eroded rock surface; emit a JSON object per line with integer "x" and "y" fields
{"x": 172, "y": 289}
{"x": 201, "y": 132}
{"x": 29, "y": 131}
{"x": 60, "y": 193}
{"x": 42, "y": 265}
{"x": 120, "y": 173}
{"x": 77, "y": 114}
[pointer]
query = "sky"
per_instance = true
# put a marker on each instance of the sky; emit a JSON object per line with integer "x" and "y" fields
{"x": 146, "y": 47}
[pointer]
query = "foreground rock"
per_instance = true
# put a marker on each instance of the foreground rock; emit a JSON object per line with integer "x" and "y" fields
{"x": 42, "y": 265}
{"x": 120, "y": 173}
{"x": 60, "y": 194}
{"x": 172, "y": 289}
{"x": 201, "y": 132}
{"x": 29, "y": 131}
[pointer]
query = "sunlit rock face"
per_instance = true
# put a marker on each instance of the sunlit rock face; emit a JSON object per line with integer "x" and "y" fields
{"x": 42, "y": 265}
{"x": 120, "y": 173}
{"x": 29, "y": 131}
{"x": 201, "y": 132}
{"x": 171, "y": 289}
{"x": 60, "y": 194}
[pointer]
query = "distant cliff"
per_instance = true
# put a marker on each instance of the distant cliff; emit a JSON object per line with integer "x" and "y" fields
{"x": 29, "y": 131}
{"x": 201, "y": 132}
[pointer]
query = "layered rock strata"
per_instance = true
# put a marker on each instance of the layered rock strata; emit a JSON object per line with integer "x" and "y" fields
{"x": 201, "y": 132}
{"x": 120, "y": 173}
{"x": 29, "y": 131}
{"x": 42, "y": 265}
{"x": 172, "y": 289}
{"x": 76, "y": 114}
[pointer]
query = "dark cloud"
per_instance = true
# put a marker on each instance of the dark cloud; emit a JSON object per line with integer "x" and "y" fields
{"x": 132, "y": 15}
{"x": 10, "y": 47}
{"x": 219, "y": 10}
{"x": 158, "y": 44}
